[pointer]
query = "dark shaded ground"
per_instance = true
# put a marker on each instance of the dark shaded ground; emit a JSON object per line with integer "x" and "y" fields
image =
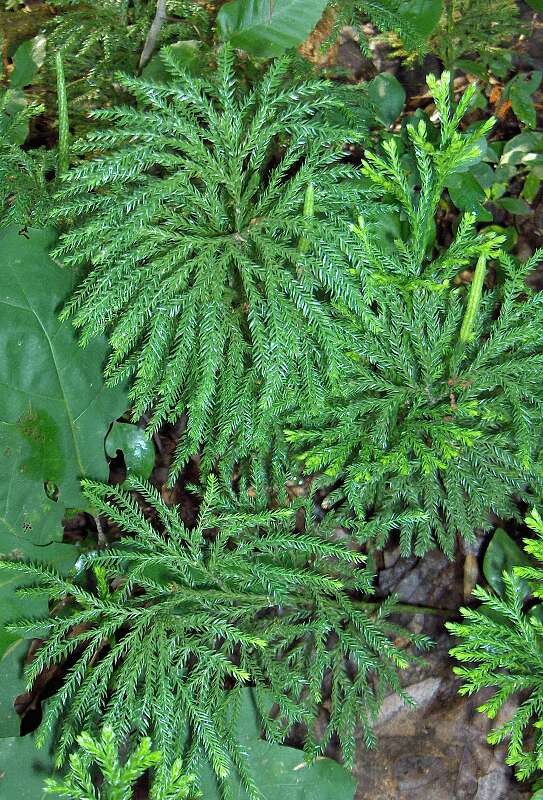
{"x": 437, "y": 751}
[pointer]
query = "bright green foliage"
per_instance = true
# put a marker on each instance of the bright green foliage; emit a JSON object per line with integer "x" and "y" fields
{"x": 439, "y": 416}
{"x": 96, "y": 38}
{"x": 501, "y": 645}
{"x": 475, "y": 35}
{"x": 25, "y": 175}
{"x": 118, "y": 776}
{"x": 180, "y": 615}
{"x": 22, "y": 173}
{"x": 408, "y": 262}
{"x": 208, "y": 300}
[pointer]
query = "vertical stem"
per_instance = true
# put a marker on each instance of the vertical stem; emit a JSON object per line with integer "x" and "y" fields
{"x": 309, "y": 211}
{"x": 474, "y": 300}
{"x": 154, "y": 32}
{"x": 449, "y": 60}
{"x": 63, "y": 123}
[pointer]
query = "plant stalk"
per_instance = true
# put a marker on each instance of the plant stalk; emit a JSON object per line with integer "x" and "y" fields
{"x": 154, "y": 32}
{"x": 474, "y": 300}
{"x": 63, "y": 120}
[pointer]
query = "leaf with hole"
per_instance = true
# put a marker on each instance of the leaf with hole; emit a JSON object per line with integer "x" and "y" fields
{"x": 136, "y": 447}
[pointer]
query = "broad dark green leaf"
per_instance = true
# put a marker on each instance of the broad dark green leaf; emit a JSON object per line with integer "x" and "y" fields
{"x": 136, "y": 447}
{"x": 266, "y": 28}
{"x": 502, "y": 554}
{"x": 280, "y": 772}
{"x": 531, "y": 187}
{"x": 538, "y": 5}
{"x": 515, "y": 205}
{"x": 54, "y": 408}
{"x": 520, "y": 92}
{"x": 23, "y": 769}
{"x": 387, "y": 95}
{"x": 12, "y": 654}
{"x": 27, "y": 59}
{"x": 467, "y": 194}
{"x": 421, "y": 15}
{"x": 523, "y": 147}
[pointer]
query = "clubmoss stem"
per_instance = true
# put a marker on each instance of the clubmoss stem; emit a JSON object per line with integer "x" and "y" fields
{"x": 309, "y": 212}
{"x": 63, "y": 122}
{"x": 474, "y": 300}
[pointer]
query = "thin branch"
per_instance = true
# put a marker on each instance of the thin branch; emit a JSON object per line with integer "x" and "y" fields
{"x": 154, "y": 31}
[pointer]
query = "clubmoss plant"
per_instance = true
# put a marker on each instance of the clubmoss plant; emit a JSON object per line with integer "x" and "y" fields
{"x": 211, "y": 306}
{"x": 500, "y": 645}
{"x": 438, "y": 422}
{"x": 182, "y": 619}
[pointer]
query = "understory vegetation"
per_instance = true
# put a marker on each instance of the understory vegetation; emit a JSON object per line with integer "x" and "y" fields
{"x": 265, "y": 322}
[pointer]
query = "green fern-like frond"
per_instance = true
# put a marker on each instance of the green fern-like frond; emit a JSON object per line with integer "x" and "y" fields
{"x": 192, "y": 616}
{"x": 97, "y": 38}
{"x": 387, "y": 15}
{"x": 501, "y": 646}
{"x": 211, "y": 303}
{"x": 23, "y": 174}
{"x": 472, "y": 34}
{"x": 439, "y": 417}
{"x": 101, "y": 756}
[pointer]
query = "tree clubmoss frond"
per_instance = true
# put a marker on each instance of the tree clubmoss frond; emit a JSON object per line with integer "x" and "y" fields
{"x": 192, "y": 615}
{"x": 501, "y": 646}
{"x": 439, "y": 418}
{"x": 191, "y": 219}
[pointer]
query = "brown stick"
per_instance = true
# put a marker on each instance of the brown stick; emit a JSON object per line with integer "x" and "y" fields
{"x": 154, "y": 31}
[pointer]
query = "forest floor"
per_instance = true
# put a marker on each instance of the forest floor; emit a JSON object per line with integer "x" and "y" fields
{"x": 438, "y": 750}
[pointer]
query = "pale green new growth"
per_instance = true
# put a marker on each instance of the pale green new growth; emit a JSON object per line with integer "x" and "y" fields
{"x": 118, "y": 777}
{"x": 438, "y": 421}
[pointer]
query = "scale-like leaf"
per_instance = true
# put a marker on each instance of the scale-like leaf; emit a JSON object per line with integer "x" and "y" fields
{"x": 54, "y": 408}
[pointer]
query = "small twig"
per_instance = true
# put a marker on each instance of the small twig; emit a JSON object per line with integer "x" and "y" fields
{"x": 154, "y": 31}
{"x": 407, "y": 608}
{"x": 102, "y": 539}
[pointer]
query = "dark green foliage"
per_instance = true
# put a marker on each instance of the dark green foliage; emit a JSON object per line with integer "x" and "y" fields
{"x": 23, "y": 185}
{"x": 438, "y": 420}
{"x": 476, "y": 34}
{"x": 181, "y": 619}
{"x": 191, "y": 221}
{"x": 386, "y": 15}
{"x": 501, "y": 646}
{"x": 96, "y": 38}
{"x": 101, "y": 755}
